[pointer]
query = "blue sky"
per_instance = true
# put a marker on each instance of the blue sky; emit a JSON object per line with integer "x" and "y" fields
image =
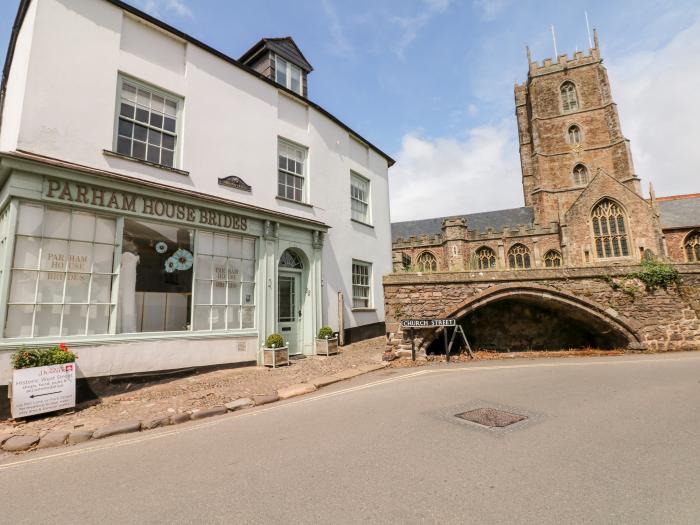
{"x": 431, "y": 81}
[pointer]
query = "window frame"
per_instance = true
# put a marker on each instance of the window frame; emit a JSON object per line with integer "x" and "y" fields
{"x": 432, "y": 259}
{"x": 179, "y": 117}
{"x": 369, "y": 286}
{"x": 577, "y": 130}
{"x": 485, "y": 253}
{"x": 288, "y": 69}
{"x": 305, "y": 170}
{"x": 368, "y": 214}
{"x": 44, "y": 239}
{"x": 563, "y": 103}
{"x": 691, "y": 245}
{"x": 519, "y": 252}
{"x": 553, "y": 255}
{"x": 627, "y": 237}
{"x": 578, "y": 181}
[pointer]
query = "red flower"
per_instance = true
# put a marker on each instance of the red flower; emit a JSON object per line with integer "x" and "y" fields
{"x": 63, "y": 347}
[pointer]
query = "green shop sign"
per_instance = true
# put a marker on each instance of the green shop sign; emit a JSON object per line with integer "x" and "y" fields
{"x": 95, "y": 196}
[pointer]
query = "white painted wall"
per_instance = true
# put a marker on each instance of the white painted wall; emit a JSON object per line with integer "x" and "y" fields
{"x": 231, "y": 123}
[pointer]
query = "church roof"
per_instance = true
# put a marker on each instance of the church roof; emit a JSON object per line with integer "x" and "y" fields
{"x": 475, "y": 221}
{"x": 679, "y": 211}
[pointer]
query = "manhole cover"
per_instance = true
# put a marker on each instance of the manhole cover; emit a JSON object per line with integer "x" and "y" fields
{"x": 490, "y": 417}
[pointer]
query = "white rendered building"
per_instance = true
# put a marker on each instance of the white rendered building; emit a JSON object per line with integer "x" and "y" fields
{"x": 165, "y": 206}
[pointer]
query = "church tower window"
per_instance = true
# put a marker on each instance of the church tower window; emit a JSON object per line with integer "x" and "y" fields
{"x": 519, "y": 257}
{"x": 426, "y": 262}
{"x": 609, "y": 230}
{"x": 692, "y": 247}
{"x": 569, "y": 100}
{"x": 580, "y": 175}
{"x": 574, "y": 134}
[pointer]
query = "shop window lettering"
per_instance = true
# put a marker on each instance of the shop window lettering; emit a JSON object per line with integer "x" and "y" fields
{"x": 127, "y": 202}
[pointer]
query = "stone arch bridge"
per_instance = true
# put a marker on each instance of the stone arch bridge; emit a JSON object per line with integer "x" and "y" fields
{"x": 547, "y": 309}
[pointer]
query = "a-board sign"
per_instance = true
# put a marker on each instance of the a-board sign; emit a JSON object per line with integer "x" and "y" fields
{"x": 42, "y": 389}
{"x": 427, "y": 323}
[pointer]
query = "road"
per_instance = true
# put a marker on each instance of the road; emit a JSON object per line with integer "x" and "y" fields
{"x": 607, "y": 440}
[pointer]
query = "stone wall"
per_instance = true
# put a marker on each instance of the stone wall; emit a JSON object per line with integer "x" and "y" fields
{"x": 604, "y": 297}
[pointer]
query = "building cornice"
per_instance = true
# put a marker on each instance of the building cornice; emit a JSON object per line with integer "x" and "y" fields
{"x": 19, "y": 157}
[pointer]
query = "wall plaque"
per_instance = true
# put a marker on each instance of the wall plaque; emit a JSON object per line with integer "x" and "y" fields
{"x": 235, "y": 182}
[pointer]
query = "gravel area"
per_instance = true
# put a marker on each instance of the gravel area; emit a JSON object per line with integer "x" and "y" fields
{"x": 141, "y": 401}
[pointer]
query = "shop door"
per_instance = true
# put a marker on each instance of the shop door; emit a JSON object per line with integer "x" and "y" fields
{"x": 289, "y": 311}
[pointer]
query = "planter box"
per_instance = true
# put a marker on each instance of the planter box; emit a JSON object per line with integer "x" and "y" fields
{"x": 42, "y": 389}
{"x": 275, "y": 357}
{"x": 327, "y": 346}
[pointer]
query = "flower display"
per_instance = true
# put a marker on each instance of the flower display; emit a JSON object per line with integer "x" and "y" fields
{"x": 183, "y": 259}
{"x": 170, "y": 265}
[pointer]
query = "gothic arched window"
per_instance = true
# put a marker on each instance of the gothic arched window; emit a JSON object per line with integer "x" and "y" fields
{"x": 691, "y": 246}
{"x": 552, "y": 259}
{"x": 574, "y": 134}
{"x": 485, "y": 258}
{"x": 580, "y": 175}
{"x": 519, "y": 256}
{"x": 609, "y": 230}
{"x": 426, "y": 262}
{"x": 569, "y": 101}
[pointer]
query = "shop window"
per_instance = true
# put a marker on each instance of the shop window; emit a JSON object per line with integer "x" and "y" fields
{"x": 291, "y": 162}
{"x": 155, "y": 279}
{"x": 225, "y": 282}
{"x": 147, "y": 123}
{"x": 62, "y": 273}
{"x": 359, "y": 198}
{"x": 361, "y": 284}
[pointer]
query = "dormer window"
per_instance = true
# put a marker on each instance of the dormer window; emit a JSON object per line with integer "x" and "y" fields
{"x": 288, "y": 75}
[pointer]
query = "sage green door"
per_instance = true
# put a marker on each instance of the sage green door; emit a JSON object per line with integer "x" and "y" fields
{"x": 289, "y": 310}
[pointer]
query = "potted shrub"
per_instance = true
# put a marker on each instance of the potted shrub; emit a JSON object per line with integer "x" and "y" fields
{"x": 326, "y": 342}
{"x": 43, "y": 380}
{"x": 275, "y": 352}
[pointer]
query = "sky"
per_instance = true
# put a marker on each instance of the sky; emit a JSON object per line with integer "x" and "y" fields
{"x": 430, "y": 82}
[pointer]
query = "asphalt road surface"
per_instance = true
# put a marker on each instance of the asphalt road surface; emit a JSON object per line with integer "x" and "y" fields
{"x": 606, "y": 440}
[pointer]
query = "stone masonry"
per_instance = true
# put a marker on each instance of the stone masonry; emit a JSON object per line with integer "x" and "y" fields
{"x": 606, "y": 299}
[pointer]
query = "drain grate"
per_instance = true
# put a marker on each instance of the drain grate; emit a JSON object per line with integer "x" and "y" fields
{"x": 491, "y": 417}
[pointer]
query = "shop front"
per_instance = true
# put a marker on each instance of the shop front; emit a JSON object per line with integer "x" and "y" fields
{"x": 139, "y": 278}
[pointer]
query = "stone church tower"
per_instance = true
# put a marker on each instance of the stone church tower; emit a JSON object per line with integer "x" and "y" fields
{"x": 568, "y": 128}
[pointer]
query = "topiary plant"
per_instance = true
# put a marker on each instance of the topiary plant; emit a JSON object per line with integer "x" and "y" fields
{"x": 326, "y": 332}
{"x": 274, "y": 341}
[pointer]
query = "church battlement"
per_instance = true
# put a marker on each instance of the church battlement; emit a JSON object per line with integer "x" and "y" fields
{"x": 563, "y": 62}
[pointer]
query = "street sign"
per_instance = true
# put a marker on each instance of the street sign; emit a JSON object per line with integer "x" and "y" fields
{"x": 42, "y": 389}
{"x": 427, "y": 323}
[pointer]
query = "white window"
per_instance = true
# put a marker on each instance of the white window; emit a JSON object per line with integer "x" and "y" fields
{"x": 62, "y": 273}
{"x": 288, "y": 75}
{"x": 361, "y": 284}
{"x": 147, "y": 123}
{"x": 224, "y": 293}
{"x": 359, "y": 198}
{"x": 291, "y": 165}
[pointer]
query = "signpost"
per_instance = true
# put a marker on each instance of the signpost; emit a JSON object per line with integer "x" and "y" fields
{"x": 412, "y": 324}
{"x": 42, "y": 389}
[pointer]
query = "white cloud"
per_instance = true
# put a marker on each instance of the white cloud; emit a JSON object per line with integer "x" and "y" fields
{"x": 453, "y": 176}
{"x": 158, "y": 7}
{"x": 490, "y": 9}
{"x": 412, "y": 25}
{"x": 657, "y": 96}
{"x": 340, "y": 44}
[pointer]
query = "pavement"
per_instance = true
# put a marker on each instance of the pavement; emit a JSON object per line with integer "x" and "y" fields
{"x": 606, "y": 440}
